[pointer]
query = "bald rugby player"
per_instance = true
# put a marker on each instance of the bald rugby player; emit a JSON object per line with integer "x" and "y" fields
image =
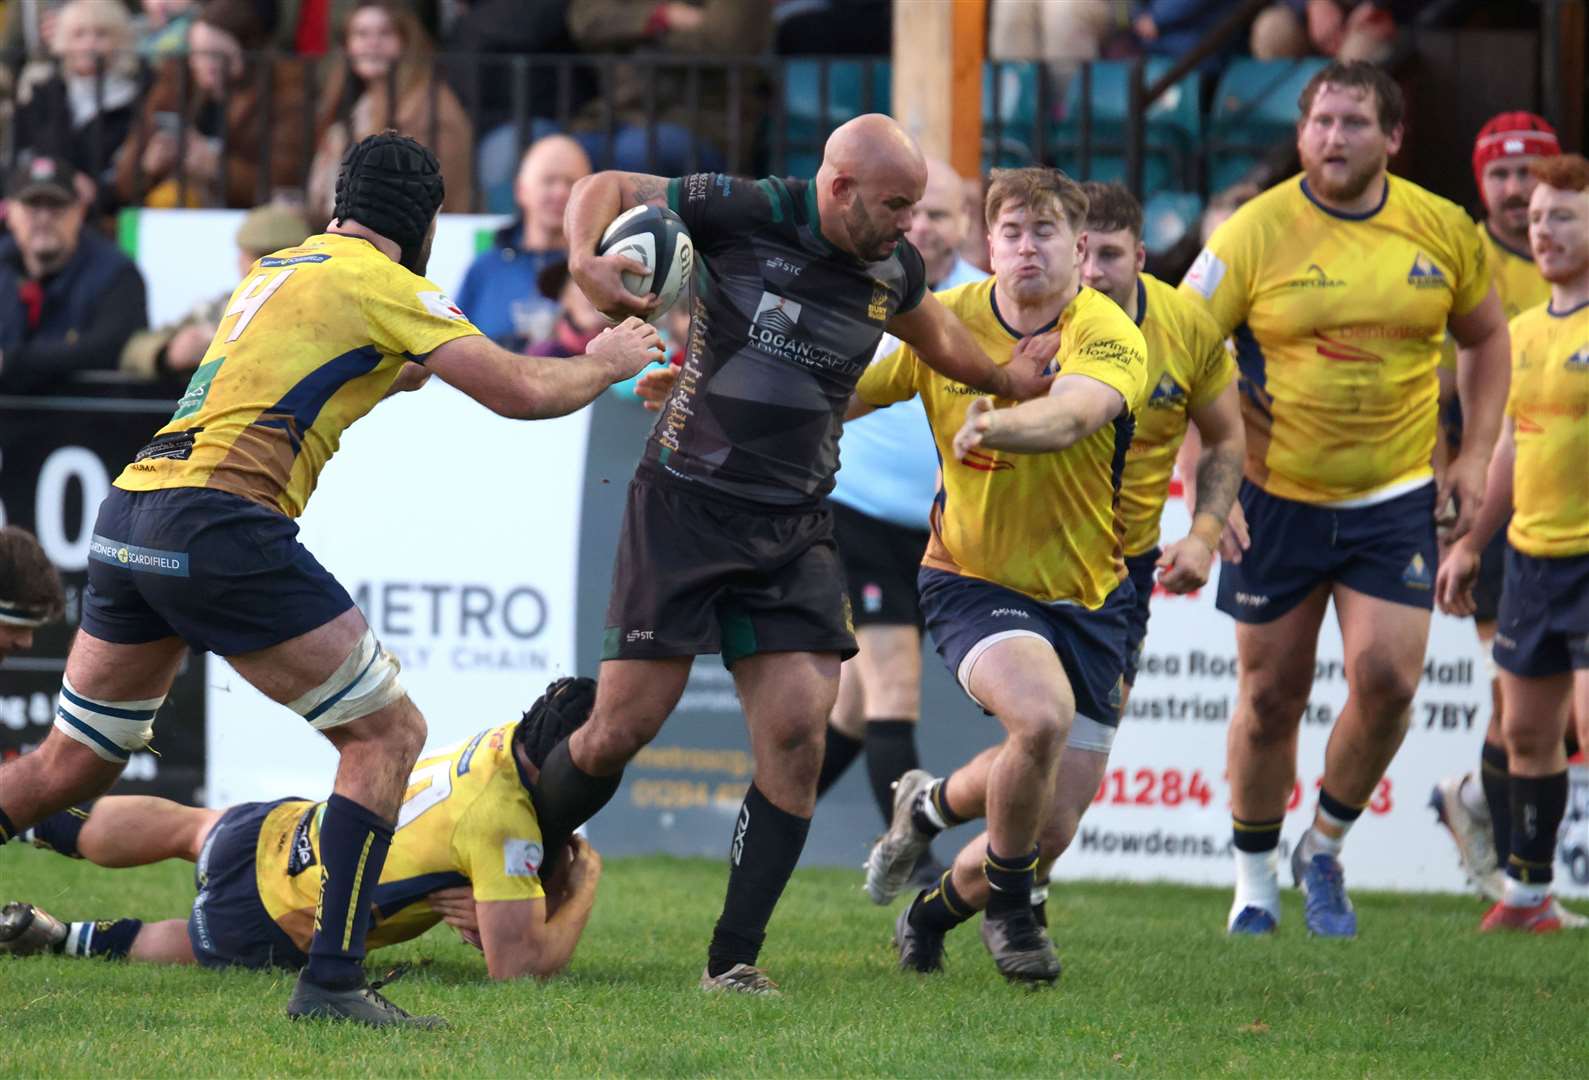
{"x": 726, "y": 545}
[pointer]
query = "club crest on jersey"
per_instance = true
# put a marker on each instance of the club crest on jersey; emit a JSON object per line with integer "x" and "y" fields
{"x": 1425, "y": 274}
{"x": 1579, "y": 361}
{"x": 877, "y": 310}
{"x": 1417, "y": 575}
{"x": 1167, "y": 394}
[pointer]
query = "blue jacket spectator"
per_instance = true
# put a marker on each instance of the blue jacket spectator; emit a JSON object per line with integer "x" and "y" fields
{"x": 499, "y": 291}
{"x": 69, "y": 300}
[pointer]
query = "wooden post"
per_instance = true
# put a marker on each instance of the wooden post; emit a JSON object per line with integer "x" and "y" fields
{"x": 939, "y": 46}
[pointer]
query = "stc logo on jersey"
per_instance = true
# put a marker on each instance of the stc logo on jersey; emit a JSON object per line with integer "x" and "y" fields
{"x": 775, "y": 331}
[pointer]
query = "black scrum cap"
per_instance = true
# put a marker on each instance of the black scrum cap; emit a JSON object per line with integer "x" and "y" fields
{"x": 392, "y": 184}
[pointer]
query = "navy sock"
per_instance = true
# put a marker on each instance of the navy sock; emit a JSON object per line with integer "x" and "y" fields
{"x": 940, "y": 909}
{"x": 1538, "y": 805}
{"x": 59, "y": 832}
{"x": 1011, "y": 879}
{"x": 767, "y": 844}
{"x": 1255, "y": 837}
{"x": 838, "y": 752}
{"x": 7, "y": 830}
{"x": 1495, "y": 779}
{"x": 890, "y": 754}
{"x": 111, "y": 939}
{"x": 353, "y": 845}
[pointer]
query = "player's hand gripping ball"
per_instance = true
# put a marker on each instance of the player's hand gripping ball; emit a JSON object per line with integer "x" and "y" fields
{"x": 655, "y": 238}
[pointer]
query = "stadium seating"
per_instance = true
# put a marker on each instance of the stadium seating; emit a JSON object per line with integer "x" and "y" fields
{"x": 1168, "y": 216}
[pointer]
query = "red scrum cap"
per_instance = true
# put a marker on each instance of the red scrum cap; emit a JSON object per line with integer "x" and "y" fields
{"x": 1512, "y": 134}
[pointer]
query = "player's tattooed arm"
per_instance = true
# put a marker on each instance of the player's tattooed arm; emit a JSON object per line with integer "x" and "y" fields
{"x": 1219, "y": 464}
{"x": 592, "y": 205}
{"x": 641, "y": 189}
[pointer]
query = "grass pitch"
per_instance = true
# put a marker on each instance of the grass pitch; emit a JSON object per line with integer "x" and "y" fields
{"x": 1151, "y": 987}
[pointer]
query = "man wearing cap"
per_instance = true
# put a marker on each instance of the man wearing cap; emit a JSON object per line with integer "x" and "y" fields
{"x": 1475, "y": 807}
{"x": 196, "y": 544}
{"x": 176, "y": 348}
{"x": 69, "y": 300}
{"x": 30, "y": 590}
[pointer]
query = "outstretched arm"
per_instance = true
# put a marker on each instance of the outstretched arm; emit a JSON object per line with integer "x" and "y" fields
{"x": 945, "y": 345}
{"x": 537, "y": 387}
{"x": 1077, "y": 406}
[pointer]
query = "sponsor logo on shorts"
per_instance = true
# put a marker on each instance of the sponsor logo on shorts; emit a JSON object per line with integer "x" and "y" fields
{"x": 639, "y": 635}
{"x": 1005, "y": 612}
{"x": 871, "y": 598}
{"x": 1247, "y": 599}
{"x": 1425, "y": 274}
{"x": 521, "y": 858}
{"x": 131, "y": 557}
{"x": 1505, "y": 642}
{"x": 1417, "y": 574}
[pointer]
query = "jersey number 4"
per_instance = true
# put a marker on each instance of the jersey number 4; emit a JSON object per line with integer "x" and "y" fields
{"x": 251, "y": 299}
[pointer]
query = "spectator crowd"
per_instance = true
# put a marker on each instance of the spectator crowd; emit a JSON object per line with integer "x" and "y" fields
{"x": 111, "y": 104}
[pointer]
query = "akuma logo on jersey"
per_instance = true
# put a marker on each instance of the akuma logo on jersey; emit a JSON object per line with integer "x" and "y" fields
{"x": 1314, "y": 278}
{"x": 1579, "y": 361}
{"x": 1168, "y": 394}
{"x": 775, "y": 330}
{"x": 440, "y": 305}
{"x": 1425, "y": 274}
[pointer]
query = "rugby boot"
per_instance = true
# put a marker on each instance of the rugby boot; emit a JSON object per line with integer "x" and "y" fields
{"x": 740, "y": 979}
{"x": 1326, "y": 911}
{"x": 360, "y": 1005}
{"x": 26, "y": 930}
{"x": 1252, "y": 921}
{"x": 1471, "y": 831}
{"x": 893, "y": 858}
{"x": 1541, "y": 918}
{"x": 1020, "y": 948}
{"x": 919, "y": 950}
{"x": 1570, "y": 920}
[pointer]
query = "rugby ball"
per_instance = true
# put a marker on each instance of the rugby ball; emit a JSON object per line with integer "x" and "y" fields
{"x": 655, "y": 237}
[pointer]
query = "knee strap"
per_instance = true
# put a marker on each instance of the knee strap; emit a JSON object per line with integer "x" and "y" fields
{"x": 111, "y": 729}
{"x": 364, "y": 683}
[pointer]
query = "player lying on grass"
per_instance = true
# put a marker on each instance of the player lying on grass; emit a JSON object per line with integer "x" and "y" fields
{"x": 467, "y": 850}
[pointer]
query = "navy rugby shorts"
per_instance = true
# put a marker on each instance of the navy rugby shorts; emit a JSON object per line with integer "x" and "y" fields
{"x": 226, "y": 575}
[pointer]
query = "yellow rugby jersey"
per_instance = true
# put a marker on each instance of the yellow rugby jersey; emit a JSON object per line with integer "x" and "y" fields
{"x": 1549, "y": 407}
{"x": 1338, "y": 321}
{"x": 311, "y": 340}
{"x": 1517, "y": 284}
{"x": 1188, "y": 367}
{"x": 466, "y": 819}
{"x": 1046, "y": 525}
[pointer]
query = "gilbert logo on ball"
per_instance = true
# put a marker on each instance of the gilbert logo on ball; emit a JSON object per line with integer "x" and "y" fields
{"x": 654, "y": 237}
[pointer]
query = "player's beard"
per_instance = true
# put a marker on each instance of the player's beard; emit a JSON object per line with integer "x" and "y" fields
{"x": 1348, "y": 190}
{"x": 872, "y": 244}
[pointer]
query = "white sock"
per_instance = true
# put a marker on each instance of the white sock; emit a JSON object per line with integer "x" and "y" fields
{"x": 1257, "y": 882}
{"x": 1315, "y": 842}
{"x": 1522, "y": 894}
{"x": 79, "y": 936}
{"x": 1471, "y": 794}
{"x": 928, "y": 809}
{"x": 1040, "y": 894}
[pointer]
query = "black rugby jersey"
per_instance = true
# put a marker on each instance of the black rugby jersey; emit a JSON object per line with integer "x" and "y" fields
{"x": 783, "y": 324}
